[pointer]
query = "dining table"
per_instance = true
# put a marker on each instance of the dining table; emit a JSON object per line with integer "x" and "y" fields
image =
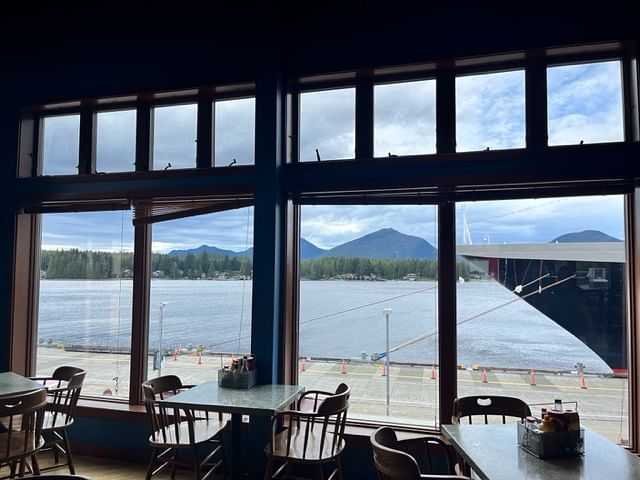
{"x": 493, "y": 453}
{"x": 259, "y": 401}
{"x": 14, "y": 384}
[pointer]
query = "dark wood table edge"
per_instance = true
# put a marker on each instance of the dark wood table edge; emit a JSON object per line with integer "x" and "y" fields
{"x": 451, "y": 439}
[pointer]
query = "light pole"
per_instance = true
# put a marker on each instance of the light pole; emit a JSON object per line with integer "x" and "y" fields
{"x": 162, "y": 305}
{"x": 387, "y": 314}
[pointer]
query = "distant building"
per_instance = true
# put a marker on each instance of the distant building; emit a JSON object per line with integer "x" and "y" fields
{"x": 411, "y": 277}
{"x": 157, "y": 274}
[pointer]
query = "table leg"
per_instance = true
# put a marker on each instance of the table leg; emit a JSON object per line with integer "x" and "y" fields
{"x": 236, "y": 446}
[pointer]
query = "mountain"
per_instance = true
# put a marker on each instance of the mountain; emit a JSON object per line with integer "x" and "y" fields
{"x": 308, "y": 251}
{"x": 381, "y": 244}
{"x": 386, "y": 243}
{"x": 585, "y": 236}
{"x": 212, "y": 251}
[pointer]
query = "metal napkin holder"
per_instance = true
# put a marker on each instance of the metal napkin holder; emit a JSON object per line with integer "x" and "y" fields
{"x": 550, "y": 444}
{"x": 238, "y": 379}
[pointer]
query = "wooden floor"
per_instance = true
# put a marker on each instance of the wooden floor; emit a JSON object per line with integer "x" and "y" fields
{"x": 103, "y": 469}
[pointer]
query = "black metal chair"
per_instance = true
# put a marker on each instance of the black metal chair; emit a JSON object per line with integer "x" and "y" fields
{"x": 63, "y": 388}
{"x": 175, "y": 429}
{"x": 314, "y": 438}
{"x": 485, "y": 406}
{"x": 21, "y": 437}
{"x": 411, "y": 459}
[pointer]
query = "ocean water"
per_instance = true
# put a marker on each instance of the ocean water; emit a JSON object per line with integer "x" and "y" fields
{"x": 338, "y": 319}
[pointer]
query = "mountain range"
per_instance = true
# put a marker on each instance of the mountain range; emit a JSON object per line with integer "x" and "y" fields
{"x": 386, "y": 243}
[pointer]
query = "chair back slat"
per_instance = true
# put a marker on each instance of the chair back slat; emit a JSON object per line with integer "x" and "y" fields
{"x": 23, "y": 416}
{"x": 486, "y": 406}
{"x": 318, "y": 434}
{"x": 167, "y": 423}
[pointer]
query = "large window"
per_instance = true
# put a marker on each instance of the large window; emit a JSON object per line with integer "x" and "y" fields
{"x": 585, "y": 103}
{"x": 358, "y": 265}
{"x": 200, "y": 305}
{"x": 490, "y": 111}
{"x": 405, "y": 118}
{"x": 327, "y": 124}
{"x": 60, "y": 144}
{"x": 116, "y": 141}
{"x": 174, "y": 136}
{"x": 84, "y": 305}
{"x": 235, "y": 124}
{"x": 541, "y": 305}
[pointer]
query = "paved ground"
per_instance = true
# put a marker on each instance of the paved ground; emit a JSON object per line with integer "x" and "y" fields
{"x": 603, "y": 404}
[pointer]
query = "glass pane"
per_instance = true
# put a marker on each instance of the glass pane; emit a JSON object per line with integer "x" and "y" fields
{"x": 328, "y": 124}
{"x": 405, "y": 118}
{"x": 85, "y": 296}
{"x": 358, "y": 264}
{"x": 174, "y": 136}
{"x": 201, "y": 287}
{"x": 585, "y": 103}
{"x": 116, "y": 141}
{"x": 235, "y": 126}
{"x": 60, "y": 145}
{"x": 490, "y": 111}
{"x": 541, "y": 305}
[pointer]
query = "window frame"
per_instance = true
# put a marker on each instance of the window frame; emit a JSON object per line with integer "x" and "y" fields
{"x": 145, "y": 182}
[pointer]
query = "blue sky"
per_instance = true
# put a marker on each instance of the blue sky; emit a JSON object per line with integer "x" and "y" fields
{"x": 584, "y": 101}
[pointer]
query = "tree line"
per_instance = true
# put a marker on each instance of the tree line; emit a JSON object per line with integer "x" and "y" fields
{"x": 88, "y": 264}
{"x": 387, "y": 269}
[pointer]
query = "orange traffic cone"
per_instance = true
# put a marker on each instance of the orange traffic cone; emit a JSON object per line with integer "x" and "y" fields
{"x": 485, "y": 377}
{"x": 175, "y": 355}
{"x": 343, "y": 368}
{"x": 532, "y": 380}
{"x": 383, "y": 370}
{"x": 583, "y": 382}
{"x": 434, "y": 376}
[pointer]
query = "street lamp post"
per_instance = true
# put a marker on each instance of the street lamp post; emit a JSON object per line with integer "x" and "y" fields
{"x": 387, "y": 314}
{"x": 161, "y": 353}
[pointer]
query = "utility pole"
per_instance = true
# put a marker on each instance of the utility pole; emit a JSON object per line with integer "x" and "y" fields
{"x": 387, "y": 314}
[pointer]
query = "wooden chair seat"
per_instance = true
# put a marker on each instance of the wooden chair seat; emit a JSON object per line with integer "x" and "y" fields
{"x": 22, "y": 444}
{"x": 316, "y": 450}
{"x": 177, "y": 435}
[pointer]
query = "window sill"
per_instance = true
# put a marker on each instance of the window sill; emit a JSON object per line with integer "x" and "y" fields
{"x": 121, "y": 410}
{"x": 110, "y": 409}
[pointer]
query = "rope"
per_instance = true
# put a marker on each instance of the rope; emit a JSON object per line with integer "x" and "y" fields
{"x": 244, "y": 282}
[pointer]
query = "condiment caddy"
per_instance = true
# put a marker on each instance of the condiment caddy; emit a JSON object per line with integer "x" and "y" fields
{"x": 241, "y": 374}
{"x": 556, "y": 433}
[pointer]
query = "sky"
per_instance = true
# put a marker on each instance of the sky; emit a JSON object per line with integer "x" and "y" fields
{"x": 584, "y": 105}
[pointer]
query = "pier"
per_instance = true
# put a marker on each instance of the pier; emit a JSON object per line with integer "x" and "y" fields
{"x": 602, "y": 404}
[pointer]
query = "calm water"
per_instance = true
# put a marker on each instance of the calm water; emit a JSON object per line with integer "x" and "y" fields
{"x": 341, "y": 319}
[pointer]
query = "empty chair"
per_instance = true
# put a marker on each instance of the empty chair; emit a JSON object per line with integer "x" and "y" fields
{"x": 310, "y": 399}
{"x": 312, "y": 438}
{"x": 174, "y": 429}
{"x": 63, "y": 388}
{"x": 412, "y": 459}
{"x": 21, "y": 435}
{"x": 485, "y": 406}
